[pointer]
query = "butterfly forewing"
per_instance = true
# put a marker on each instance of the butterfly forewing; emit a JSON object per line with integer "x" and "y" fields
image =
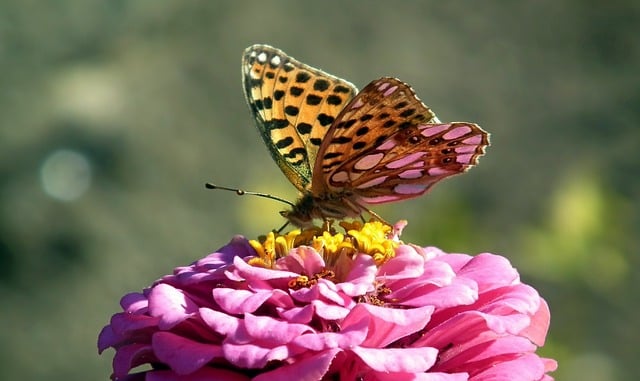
{"x": 293, "y": 105}
{"x": 387, "y": 145}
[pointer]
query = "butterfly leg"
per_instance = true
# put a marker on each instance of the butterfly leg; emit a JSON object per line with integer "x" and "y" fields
{"x": 327, "y": 225}
{"x": 376, "y": 216}
{"x": 356, "y": 206}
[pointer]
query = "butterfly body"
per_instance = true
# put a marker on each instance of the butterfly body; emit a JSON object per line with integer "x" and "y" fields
{"x": 344, "y": 149}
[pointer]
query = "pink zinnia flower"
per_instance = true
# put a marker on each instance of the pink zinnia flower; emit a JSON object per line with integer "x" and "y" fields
{"x": 312, "y": 305}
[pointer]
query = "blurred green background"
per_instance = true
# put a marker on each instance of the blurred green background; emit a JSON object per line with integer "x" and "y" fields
{"x": 113, "y": 114}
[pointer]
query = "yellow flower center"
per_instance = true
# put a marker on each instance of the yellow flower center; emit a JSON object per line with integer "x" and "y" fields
{"x": 372, "y": 238}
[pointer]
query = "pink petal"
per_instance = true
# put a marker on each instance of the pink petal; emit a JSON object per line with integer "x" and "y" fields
{"x": 303, "y": 260}
{"x": 537, "y": 330}
{"x": 134, "y": 302}
{"x": 462, "y": 292}
{"x": 126, "y": 327}
{"x": 329, "y": 311}
{"x": 323, "y": 290}
{"x": 244, "y": 271}
{"x": 349, "y": 336}
{"x": 361, "y": 278}
{"x": 484, "y": 348}
{"x": 273, "y": 331}
{"x": 253, "y": 355}
{"x": 224, "y": 324}
{"x": 387, "y": 325}
{"x": 205, "y": 374}
{"x": 431, "y": 376}
{"x": 465, "y": 326}
{"x": 489, "y": 271}
{"x": 311, "y": 368}
{"x": 238, "y": 301}
{"x": 171, "y": 305}
{"x": 129, "y": 357}
{"x": 526, "y": 367}
{"x": 299, "y": 315}
{"x": 410, "y": 360}
{"x": 107, "y": 338}
{"x": 406, "y": 264}
{"x": 518, "y": 298}
{"x": 182, "y": 355}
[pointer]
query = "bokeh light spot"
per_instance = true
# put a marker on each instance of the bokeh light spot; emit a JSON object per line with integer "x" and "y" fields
{"x": 65, "y": 175}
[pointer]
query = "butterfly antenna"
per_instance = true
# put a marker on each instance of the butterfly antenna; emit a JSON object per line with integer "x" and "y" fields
{"x": 241, "y": 192}
{"x": 282, "y": 227}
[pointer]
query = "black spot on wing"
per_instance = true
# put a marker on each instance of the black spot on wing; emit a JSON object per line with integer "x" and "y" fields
{"x": 275, "y": 124}
{"x": 408, "y": 112}
{"x": 362, "y": 131}
{"x": 291, "y": 110}
{"x": 313, "y": 100}
{"x": 331, "y": 155}
{"x": 284, "y": 143}
{"x": 321, "y": 84}
{"x": 303, "y": 77}
{"x": 303, "y": 128}
{"x": 341, "y": 89}
{"x": 359, "y": 145}
{"x": 341, "y": 140}
{"x": 346, "y": 123}
{"x": 334, "y": 100}
{"x": 295, "y": 152}
{"x": 255, "y": 82}
{"x": 325, "y": 119}
{"x": 380, "y": 139}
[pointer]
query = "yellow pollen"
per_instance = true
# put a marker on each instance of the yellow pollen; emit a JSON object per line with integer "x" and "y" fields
{"x": 337, "y": 249}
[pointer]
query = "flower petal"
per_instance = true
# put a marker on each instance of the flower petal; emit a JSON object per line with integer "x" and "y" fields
{"x": 387, "y": 325}
{"x": 537, "y": 330}
{"x": 391, "y": 312}
{"x": 310, "y": 368}
{"x": 204, "y": 374}
{"x": 273, "y": 331}
{"x": 130, "y": 356}
{"x": 241, "y": 301}
{"x": 527, "y": 367}
{"x": 171, "y": 305}
{"x": 349, "y": 336}
{"x": 410, "y": 360}
{"x": 182, "y": 355}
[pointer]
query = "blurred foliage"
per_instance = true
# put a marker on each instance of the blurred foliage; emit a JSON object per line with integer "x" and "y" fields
{"x": 113, "y": 114}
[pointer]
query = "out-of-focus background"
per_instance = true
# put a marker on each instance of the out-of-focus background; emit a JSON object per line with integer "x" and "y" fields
{"x": 113, "y": 114}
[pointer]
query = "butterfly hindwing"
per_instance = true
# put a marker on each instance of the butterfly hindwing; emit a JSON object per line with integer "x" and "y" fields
{"x": 293, "y": 105}
{"x": 387, "y": 145}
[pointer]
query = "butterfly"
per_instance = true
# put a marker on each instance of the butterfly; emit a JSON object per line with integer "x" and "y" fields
{"x": 343, "y": 149}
